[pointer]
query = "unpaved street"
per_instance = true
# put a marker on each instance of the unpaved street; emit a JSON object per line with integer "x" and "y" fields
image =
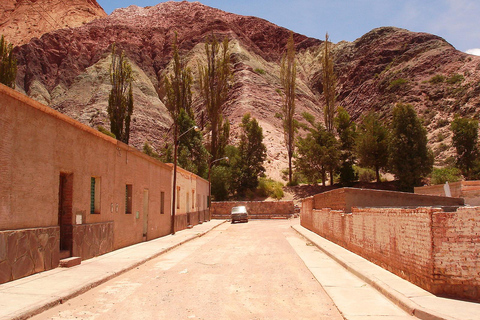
{"x": 240, "y": 271}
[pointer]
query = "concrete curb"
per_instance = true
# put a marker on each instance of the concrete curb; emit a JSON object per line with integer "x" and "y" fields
{"x": 393, "y": 295}
{"x": 41, "y": 307}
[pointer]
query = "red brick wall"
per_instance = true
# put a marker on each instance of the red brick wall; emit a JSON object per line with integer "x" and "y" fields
{"x": 439, "y": 251}
{"x": 256, "y": 209}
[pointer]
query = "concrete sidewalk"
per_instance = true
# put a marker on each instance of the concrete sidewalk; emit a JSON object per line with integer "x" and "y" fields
{"x": 28, "y": 296}
{"x": 413, "y": 299}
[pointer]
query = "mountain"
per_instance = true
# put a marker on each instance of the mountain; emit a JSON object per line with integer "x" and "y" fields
{"x": 68, "y": 69}
{"x": 22, "y": 20}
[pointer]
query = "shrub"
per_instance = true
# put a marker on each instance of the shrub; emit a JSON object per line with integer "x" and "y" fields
{"x": 260, "y": 71}
{"x": 397, "y": 84}
{"x": 442, "y": 175}
{"x": 437, "y": 79}
{"x": 365, "y": 174}
{"x": 455, "y": 78}
{"x": 105, "y": 131}
{"x": 270, "y": 188}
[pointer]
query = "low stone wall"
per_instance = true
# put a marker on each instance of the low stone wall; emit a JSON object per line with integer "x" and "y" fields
{"x": 92, "y": 240}
{"x": 24, "y": 252}
{"x": 256, "y": 209}
{"x": 436, "y": 250}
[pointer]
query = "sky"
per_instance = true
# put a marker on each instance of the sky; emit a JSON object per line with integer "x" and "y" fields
{"x": 457, "y": 21}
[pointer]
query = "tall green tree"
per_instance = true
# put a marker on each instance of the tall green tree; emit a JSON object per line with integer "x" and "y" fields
{"x": 465, "y": 142}
{"x": 346, "y": 130}
{"x": 317, "y": 153}
{"x": 215, "y": 79}
{"x": 372, "y": 144}
{"x": 411, "y": 159}
{"x": 8, "y": 64}
{"x": 288, "y": 77}
{"x": 178, "y": 84}
{"x": 252, "y": 154}
{"x": 120, "y": 101}
{"x": 329, "y": 84}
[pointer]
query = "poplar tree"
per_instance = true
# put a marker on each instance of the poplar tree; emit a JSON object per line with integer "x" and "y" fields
{"x": 329, "y": 83}
{"x": 288, "y": 76}
{"x": 120, "y": 101}
{"x": 215, "y": 78}
{"x": 8, "y": 64}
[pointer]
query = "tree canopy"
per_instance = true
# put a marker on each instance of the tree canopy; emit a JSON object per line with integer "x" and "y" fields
{"x": 411, "y": 159}
{"x": 8, "y": 64}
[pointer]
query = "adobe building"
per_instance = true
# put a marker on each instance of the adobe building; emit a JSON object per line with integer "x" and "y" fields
{"x": 468, "y": 190}
{"x": 430, "y": 241}
{"x": 69, "y": 190}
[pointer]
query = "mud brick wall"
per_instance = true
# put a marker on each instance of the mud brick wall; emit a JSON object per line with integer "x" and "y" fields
{"x": 438, "y": 251}
{"x": 347, "y": 198}
{"x": 456, "y": 252}
{"x": 91, "y": 240}
{"x": 24, "y": 252}
{"x": 256, "y": 209}
{"x": 469, "y": 190}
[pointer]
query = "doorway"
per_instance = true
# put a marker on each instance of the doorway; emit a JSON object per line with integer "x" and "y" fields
{"x": 65, "y": 216}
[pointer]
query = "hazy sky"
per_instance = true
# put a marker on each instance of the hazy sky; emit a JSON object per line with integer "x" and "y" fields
{"x": 457, "y": 21}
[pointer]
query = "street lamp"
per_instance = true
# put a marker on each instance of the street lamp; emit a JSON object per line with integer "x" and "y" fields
{"x": 176, "y": 141}
{"x": 210, "y": 186}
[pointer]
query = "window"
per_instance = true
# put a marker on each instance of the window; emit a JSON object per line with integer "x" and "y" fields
{"x": 128, "y": 199}
{"x": 162, "y": 202}
{"x": 187, "y": 199}
{"x": 178, "y": 197}
{"x": 94, "y": 195}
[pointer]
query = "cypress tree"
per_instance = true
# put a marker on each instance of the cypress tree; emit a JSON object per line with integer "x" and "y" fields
{"x": 288, "y": 77}
{"x": 8, "y": 64}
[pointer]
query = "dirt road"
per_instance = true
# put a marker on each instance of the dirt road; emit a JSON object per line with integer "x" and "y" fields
{"x": 240, "y": 271}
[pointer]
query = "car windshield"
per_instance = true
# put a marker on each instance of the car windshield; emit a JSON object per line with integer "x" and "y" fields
{"x": 239, "y": 210}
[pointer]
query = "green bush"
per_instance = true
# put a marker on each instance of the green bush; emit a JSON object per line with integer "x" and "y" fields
{"x": 365, "y": 174}
{"x": 437, "y": 79}
{"x": 270, "y": 188}
{"x": 397, "y": 84}
{"x": 105, "y": 131}
{"x": 260, "y": 71}
{"x": 442, "y": 175}
{"x": 455, "y": 78}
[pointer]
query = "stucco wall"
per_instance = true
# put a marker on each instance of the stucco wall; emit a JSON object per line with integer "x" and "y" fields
{"x": 437, "y": 250}
{"x": 39, "y": 146}
{"x": 256, "y": 209}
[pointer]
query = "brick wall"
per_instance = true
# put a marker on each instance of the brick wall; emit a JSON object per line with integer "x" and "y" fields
{"x": 438, "y": 251}
{"x": 256, "y": 209}
{"x": 347, "y": 198}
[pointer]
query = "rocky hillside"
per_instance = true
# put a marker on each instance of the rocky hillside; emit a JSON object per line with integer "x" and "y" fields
{"x": 22, "y": 20}
{"x": 68, "y": 70}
